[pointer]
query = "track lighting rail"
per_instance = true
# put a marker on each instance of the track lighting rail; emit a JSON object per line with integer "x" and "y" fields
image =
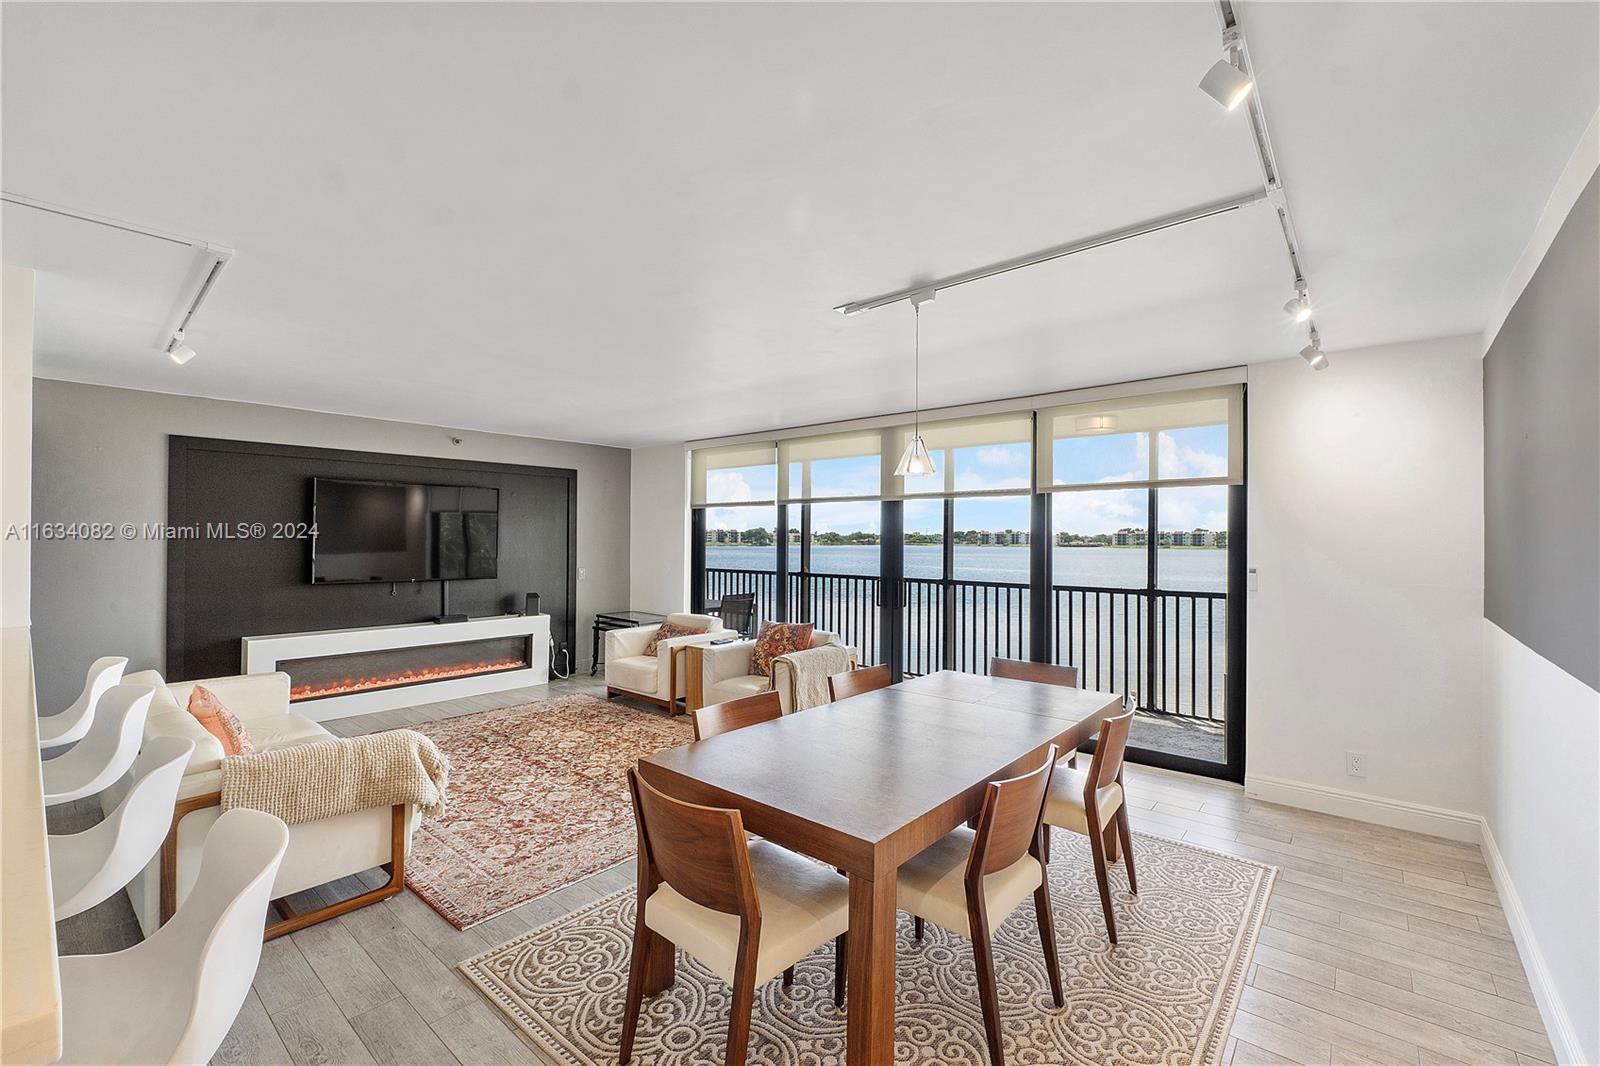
{"x": 1099, "y": 240}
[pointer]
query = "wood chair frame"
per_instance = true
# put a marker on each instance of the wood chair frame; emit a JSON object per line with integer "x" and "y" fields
{"x": 1009, "y": 825}
{"x": 292, "y": 920}
{"x": 729, "y": 715}
{"x": 1104, "y": 844}
{"x": 862, "y": 679}
{"x": 701, "y": 832}
{"x": 673, "y": 703}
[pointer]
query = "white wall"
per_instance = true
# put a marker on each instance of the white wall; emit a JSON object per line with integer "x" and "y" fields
{"x": 16, "y": 440}
{"x": 100, "y": 454}
{"x": 1366, "y": 534}
{"x": 1541, "y": 744}
{"x": 659, "y": 540}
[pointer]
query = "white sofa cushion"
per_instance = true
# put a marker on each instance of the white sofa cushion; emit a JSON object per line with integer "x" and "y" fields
{"x": 734, "y": 688}
{"x": 636, "y": 673}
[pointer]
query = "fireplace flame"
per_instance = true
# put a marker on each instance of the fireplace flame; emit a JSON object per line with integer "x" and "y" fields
{"x": 346, "y": 685}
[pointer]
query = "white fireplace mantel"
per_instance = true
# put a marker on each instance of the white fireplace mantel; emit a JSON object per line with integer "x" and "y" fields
{"x": 262, "y": 654}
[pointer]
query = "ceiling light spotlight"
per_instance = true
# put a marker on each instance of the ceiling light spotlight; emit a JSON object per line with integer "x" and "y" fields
{"x": 1227, "y": 84}
{"x": 179, "y": 352}
{"x": 1299, "y": 308}
{"x": 1312, "y": 354}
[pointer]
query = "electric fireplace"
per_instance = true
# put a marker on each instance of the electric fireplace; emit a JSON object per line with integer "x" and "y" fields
{"x": 319, "y": 677}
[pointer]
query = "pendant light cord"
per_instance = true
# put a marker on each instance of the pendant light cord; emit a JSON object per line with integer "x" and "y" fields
{"x": 916, "y": 370}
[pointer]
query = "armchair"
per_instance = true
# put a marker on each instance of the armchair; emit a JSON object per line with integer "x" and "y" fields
{"x": 658, "y": 678}
{"x": 722, "y": 672}
{"x": 319, "y": 851}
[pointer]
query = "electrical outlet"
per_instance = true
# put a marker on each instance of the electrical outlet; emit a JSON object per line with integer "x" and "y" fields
{"x": 1355, "y": 764}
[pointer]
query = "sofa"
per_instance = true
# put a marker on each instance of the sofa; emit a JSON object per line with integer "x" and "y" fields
{"x": 723, "y": 672}
{"x": 318, "y": 852}
{"x": 658, "y": 678}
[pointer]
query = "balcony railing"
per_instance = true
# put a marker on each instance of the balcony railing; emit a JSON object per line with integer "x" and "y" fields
{"x": 960, "y": 624}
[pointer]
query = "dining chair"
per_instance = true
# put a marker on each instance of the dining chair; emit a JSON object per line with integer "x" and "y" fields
{"x": 1039, "y": 673}
{"x": 855, "y": 682}
{"x": 1093, "y": 804}
{"x": 738, "y": 611}
{"x": 174, "y": 996}
{"x": 59, "y": 730}
{"x": 748, "y": 911}
{"x": 90, "y": 867}
{"x": 106, "y": 750}
{"x": 971, "y": 880}
{"x": 736, "y": 714}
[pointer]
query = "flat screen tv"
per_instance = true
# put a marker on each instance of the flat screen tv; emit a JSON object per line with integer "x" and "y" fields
{"x": 401, "y": 531}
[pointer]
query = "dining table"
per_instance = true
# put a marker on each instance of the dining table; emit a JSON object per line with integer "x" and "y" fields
{"x": 867, "y": 782}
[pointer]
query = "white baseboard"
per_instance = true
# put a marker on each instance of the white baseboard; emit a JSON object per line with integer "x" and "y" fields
{"x": 1556, "y": 1022}
{"x": 1379, "y": 810}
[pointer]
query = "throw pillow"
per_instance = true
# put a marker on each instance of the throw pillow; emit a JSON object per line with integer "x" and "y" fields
{"x": 220, "y": 722}
{"x": 775, "y": 639}
{"x": 668, "y": 630}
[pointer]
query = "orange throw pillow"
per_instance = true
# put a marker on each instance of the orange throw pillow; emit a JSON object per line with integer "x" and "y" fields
{"x": 667, "y": 631}
{"x": 220, "y": 722}
{"x": 775, "y": 639}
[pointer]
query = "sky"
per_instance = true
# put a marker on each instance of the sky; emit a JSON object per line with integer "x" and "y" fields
{"x": 1108, "y": 459}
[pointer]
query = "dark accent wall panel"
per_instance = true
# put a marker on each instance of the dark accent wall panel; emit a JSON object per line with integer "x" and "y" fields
{"x": 1541, "y": 414}
{"x": 220, "y": 589}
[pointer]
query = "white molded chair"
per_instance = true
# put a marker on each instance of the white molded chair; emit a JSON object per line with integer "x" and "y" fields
{"x": 106, "y": 751}
{"x": 173, "y": 997}
{"x": 56, "y": 730}
{"x": 90, "y": 867}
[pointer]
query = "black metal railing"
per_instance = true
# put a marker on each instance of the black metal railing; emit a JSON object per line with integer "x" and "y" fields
{"x": 1172, "y": 663}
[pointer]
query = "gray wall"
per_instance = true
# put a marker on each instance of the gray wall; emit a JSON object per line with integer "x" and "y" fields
{"x": 1541, "y": 412}
{"x": 100, "y": 455}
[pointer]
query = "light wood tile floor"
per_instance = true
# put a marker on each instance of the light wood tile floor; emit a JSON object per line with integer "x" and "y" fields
{"x": 1380, "y": 946}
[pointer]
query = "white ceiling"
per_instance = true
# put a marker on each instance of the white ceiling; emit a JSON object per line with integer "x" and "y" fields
{"x": 628, "y": 223}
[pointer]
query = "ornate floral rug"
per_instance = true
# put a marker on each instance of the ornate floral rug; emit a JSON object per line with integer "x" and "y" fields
{"x": 538, "y": 799}
{"x": 1165, "y": 994}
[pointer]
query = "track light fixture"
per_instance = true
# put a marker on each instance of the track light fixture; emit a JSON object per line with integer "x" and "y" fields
{"x": 178, "y": 351}
{"x": 1299, "y": 306}
{"x": 1227, "y": 84}
{"x": 1313, "y": 354}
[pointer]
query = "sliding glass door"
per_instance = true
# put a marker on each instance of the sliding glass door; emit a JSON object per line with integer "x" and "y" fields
{"x": 1107, "y": 536}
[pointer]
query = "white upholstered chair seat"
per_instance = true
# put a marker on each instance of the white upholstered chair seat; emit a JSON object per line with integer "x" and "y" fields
{"x": 803, "y": 906}
{"x": 933, "y": 886}
{"x": 636, "y": 673}
{"x": 1063, "y": 805}
{"x": 735, "y": 688}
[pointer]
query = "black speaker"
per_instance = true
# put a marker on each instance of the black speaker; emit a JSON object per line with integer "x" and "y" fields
{"x": 531, "y": 604}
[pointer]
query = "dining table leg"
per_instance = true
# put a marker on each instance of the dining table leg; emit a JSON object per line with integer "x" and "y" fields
{"x": 870, "y": 1010}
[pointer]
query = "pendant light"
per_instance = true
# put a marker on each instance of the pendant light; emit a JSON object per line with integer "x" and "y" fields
{"x": 916, "y": 462}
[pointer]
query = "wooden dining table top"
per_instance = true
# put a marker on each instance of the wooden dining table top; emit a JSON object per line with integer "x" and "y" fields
{"x": 863, "y": 770}
{"x": 863, "y": 784}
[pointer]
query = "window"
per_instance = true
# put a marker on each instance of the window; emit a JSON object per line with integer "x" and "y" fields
{"x": 1143, "y": 440}
{"x": 985, "y": 455}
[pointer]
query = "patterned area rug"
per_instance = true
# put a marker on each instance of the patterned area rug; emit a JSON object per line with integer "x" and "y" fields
{"x": 1165, "y": 994}
{"x": 538, "y": 799}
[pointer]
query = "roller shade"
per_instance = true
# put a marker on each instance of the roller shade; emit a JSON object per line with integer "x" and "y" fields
{"x": 979, "y": 456}
{"x": 734, "y": 474}
{"x": 834, "y": 466}
{"x": 1191, "y": 437}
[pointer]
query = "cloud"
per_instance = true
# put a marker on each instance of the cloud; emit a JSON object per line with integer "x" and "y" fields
{"x": 728, "y": 486}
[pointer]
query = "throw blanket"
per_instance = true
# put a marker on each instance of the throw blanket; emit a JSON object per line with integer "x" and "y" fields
{"x": 806, "y": 673}
{"x": 309, "y": 782}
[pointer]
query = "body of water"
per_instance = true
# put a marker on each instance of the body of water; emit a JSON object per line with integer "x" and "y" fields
{"x": 1103, "y": 634}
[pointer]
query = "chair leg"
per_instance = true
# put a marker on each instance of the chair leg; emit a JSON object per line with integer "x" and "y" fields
{"x": 1126, "y": 831}
{"x": 1098, "y": 847}
{"x": 1044, "y": 847}
{"x": 630, "y": 1012}
{"x": 743, "y": 1002}
{"x": 988, "y": 995}
{"x": 841, "y": 965}
{"x": 788, "y": 977}
{"x": 1047, "y": 939}
{"x": 1109, "y": 835}
{"x": 916, "y": 927}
